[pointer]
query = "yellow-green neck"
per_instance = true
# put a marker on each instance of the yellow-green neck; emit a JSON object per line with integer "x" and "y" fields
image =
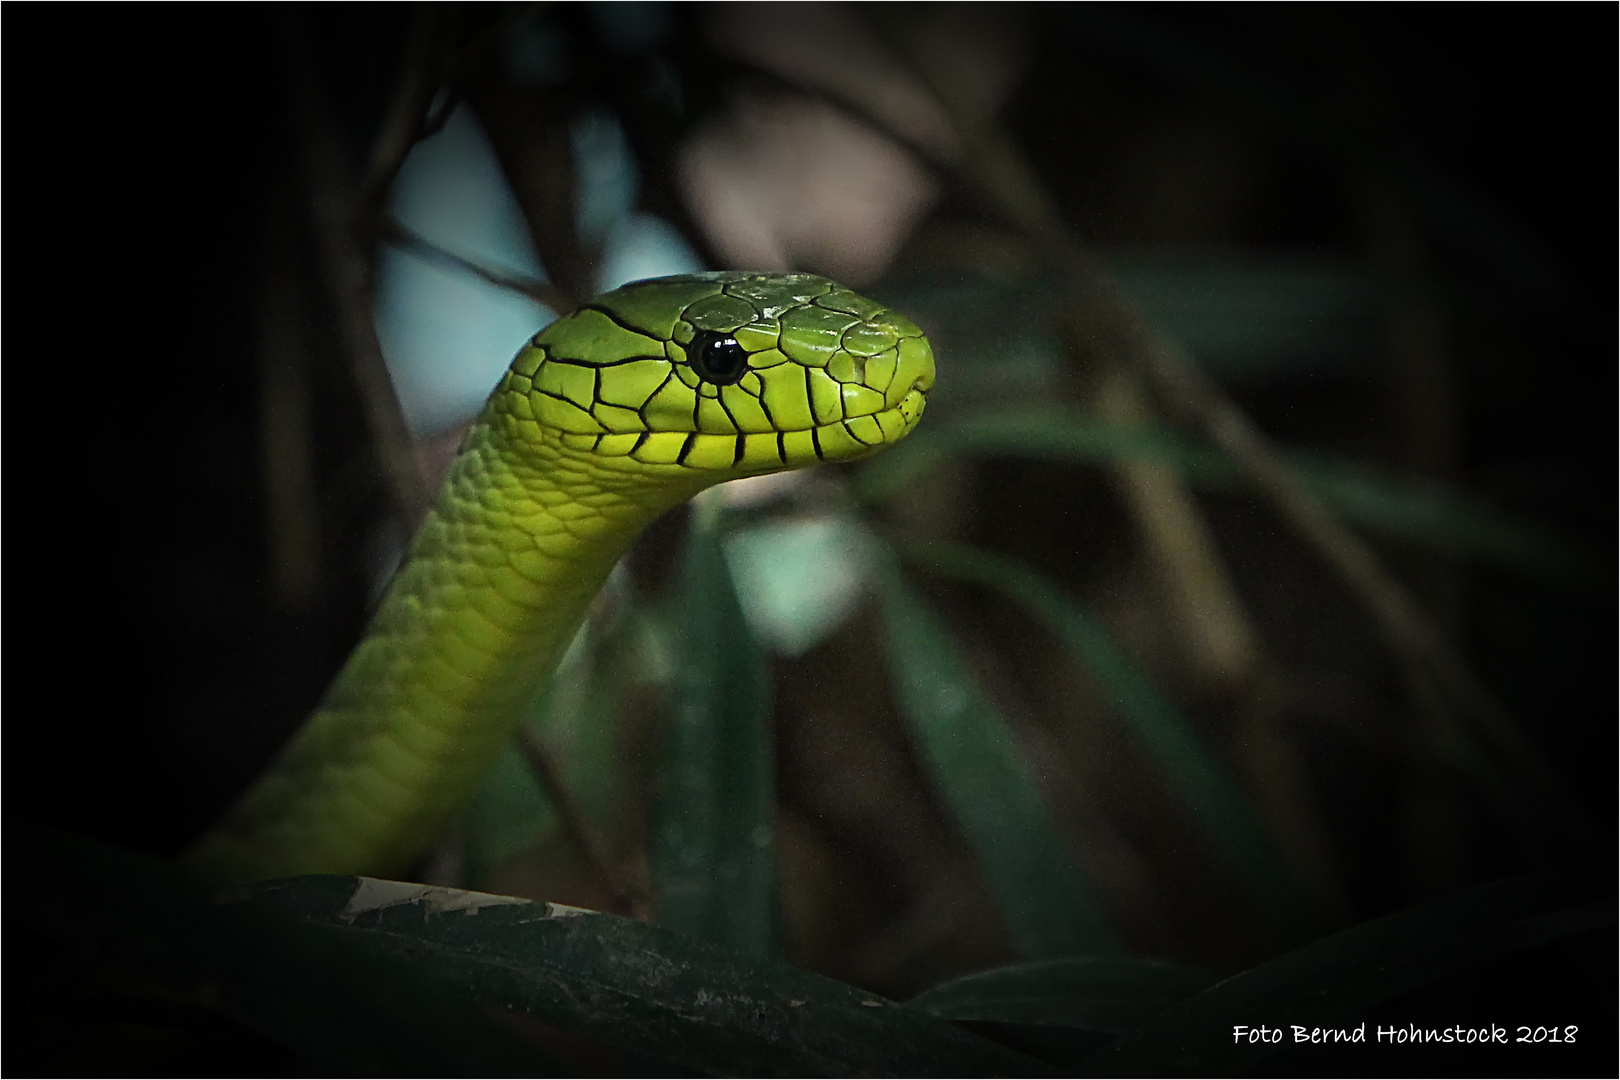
{"x": 492, "y": 589}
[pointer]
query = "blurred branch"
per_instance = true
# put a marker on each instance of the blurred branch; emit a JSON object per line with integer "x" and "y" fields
{"x": 533, "y": 141}
{"x": 946, "y": 166}
{"x": 635, "y": 898}
{"x": 407, "y": 120}
{"x": 1219, "y": 637}
{"x": 544, "y": 292}
{"x": 656, "y": 135}
{"x": 1000, "y": 169}
{"x": 346, "y": 267}
{"x": 425, "y": 69}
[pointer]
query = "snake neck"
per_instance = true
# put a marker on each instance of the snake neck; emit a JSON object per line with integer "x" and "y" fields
{"x": 494, "y": 585}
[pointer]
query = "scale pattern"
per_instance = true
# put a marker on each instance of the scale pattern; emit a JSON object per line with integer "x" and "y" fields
{"x": 599, "y": 425}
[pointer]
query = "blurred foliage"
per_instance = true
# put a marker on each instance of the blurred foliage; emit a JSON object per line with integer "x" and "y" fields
{"x": 943, "y": 728}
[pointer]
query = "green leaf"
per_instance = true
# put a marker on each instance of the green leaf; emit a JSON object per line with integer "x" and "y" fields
{"x": 399, "y": 978}
{"x": 1403, "y": 507}
{"x": 712, "y": 856}
{"x": 1333, "y": 979}
{"x": 1108, "y": 995}
{"x": 1194, "y": 772}
{"x": 983, "y": 777}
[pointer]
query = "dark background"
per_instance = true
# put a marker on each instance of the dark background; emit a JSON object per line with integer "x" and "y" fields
{"x": 151, "y": 670}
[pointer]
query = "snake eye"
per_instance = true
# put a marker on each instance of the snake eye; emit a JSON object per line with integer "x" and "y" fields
{"x": 717, "y": 358}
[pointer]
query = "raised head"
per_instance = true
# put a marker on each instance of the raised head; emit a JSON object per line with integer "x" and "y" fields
{"x": 728, "y": 374}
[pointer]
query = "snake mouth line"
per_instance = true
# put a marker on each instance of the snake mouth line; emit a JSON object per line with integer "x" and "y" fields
{"x": 844, "y": 454}
{"x": 836, "y": 441}
{"x": 751, "y": 453}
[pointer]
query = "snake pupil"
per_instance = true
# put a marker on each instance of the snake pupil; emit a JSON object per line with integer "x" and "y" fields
{"x": 718, "y": 358}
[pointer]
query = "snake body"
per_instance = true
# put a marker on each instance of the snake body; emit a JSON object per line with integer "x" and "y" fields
{"x": 606, "y": 419}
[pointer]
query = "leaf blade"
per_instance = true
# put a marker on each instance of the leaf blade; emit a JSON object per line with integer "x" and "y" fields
{"x": 1194, "y": 771}
{"x": 1048, "y": 904}
{"x": 714, "y": 872}
{"x": 1413, "y": 510}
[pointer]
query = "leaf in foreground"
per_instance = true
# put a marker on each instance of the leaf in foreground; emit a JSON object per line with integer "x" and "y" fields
{"x": 365, "y": 975}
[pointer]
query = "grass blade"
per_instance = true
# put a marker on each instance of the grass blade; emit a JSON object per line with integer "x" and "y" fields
{"x": 1108, "y": 995}
{"x": 714, "y": 875}
{"x": 1194, "y": 772}
{"x": 982, "y": 776}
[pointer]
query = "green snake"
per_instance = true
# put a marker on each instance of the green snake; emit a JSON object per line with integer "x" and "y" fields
{"x": 606, "y": 419}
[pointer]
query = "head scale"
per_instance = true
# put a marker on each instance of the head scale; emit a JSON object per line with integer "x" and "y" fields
{"x": 732, "y": 374}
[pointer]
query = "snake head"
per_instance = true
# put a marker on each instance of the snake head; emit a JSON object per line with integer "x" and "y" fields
{"x": 731, "y": 373}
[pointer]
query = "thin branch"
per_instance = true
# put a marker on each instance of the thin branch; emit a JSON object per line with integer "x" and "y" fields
{"x": 392, "y": 231}
{"x": 533, "y": 141}
{"x": 434, "y": 122}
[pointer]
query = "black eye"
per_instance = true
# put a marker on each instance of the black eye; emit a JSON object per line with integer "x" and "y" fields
{"x": 717, "y": 358}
